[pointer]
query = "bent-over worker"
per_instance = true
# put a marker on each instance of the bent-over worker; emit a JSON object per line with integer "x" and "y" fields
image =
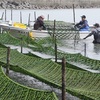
{"x": 95, "y": 33}
{"x": 39, "y": 24}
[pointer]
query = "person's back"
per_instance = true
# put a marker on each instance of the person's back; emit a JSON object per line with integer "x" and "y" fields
{"x": 39, "y": 24}
{"x": 96, "y": 34}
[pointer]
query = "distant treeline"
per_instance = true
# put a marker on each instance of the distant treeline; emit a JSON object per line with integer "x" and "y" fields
{"x": 48, "y": 4}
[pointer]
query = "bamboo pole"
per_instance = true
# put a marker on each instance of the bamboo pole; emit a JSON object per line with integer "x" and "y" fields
{"x": 34, "y": 16}
{"x": 48, "y": 17}
{"x": 29, "y": 19}
{"x": 55, "y": 50}
{"x": 20, "y": 17}
{"x": 21, "y": 45}
{"x": 63, "y": 79}
{"x": 11, "y": 14}
{"x": 84, "y": 49}
{"x": 54, "y": 28}
{"x": 28, "y": 40}
{"x": 5, "y": 15}
{"x": 55, "y": 40}
{"x": 74, "y": 13}
{"x": 8, "y": 60}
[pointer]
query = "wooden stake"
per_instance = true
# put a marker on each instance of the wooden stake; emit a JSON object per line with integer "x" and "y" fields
{"x": 21, "y": 45}
{"x": 48, "y": 17}
{"x": 34, "y": 16}
{"x": 54, "y": 28}
{"x": 11, "y": 14}
{"x": 20, "y": 17}
{"x": 29, "y": 19}
{"x": 55, "y": 51}
{"x": 5, "y": 15}
{"x": 8, "y": 60}
{"x": 55, "y": 40}
{"x": 63, "y": 79}
{"x": 28, "y": 38}
{"x": 84, "y": 49}
{"x": 73, "y": 13}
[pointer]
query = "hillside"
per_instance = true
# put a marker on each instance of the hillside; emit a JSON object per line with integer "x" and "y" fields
{"x": 48, "y": 4}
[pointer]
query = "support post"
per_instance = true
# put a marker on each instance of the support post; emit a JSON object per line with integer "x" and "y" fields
{"x": 55, "y": 51}
{"x": 21, "y": 45}
{"x": 54, "y": 28}
{"x": 48, "y": 17}
{"x": 34, "y": 16}
{"x": 11, "y": 14}
{"x": 20, "y": 17}
{"x": 8, "y": 60}
{"x": 29, "y": 19}
{"x": 28, "y": 38}
{"x": 63, "y": 79}
{"x": 55, "y": 40}
{"x": 73, "y": 13}
{"x": 5, "y": 15}
{"x": 85, "y": 49}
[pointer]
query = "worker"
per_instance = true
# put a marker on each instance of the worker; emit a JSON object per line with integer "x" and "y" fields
{"x": 83, "y": 24}
{"x": 39, "y": 24}
{"x": 96, "y": 33}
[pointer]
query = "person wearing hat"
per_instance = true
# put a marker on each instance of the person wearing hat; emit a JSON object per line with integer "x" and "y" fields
{"x": 39, "y": 24}
{"x": 95, "y": 33}
{"x": 83, "y": 24}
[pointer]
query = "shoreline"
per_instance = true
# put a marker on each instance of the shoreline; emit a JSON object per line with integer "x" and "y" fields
{"x": 48, "y": 9}
{"x": 35, "y": 6}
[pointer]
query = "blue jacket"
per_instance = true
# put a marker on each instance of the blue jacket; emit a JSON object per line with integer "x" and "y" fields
{"x": 83, "y": 25}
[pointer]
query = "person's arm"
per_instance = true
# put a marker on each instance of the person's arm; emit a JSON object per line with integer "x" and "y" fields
{"x": 78, "y": 24}
{"x": 84, "y": 24}
{"x": 44, "y": 27}
{"x": 42, "y": 24}
{"x": 89, "y": 35}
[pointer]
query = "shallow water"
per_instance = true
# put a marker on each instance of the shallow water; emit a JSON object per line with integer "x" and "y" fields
{"x": 60, "y": 14}
{"x": 62, "y": 49}
{"x": 35, "y": 83}
{"x": 92, "y": 50}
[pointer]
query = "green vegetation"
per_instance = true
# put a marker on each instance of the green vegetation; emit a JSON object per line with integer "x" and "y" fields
{"x": 63, "y": 30}
{"x": 83, "y": 84}
{"x": 45, "y": 45}
{"x": 10, "y": 90}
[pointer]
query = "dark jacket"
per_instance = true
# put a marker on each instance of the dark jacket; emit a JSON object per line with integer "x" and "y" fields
{"x": 39, "y": 24}
{"x": 83, "y": 25}
{"x": 96, "y": 34}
